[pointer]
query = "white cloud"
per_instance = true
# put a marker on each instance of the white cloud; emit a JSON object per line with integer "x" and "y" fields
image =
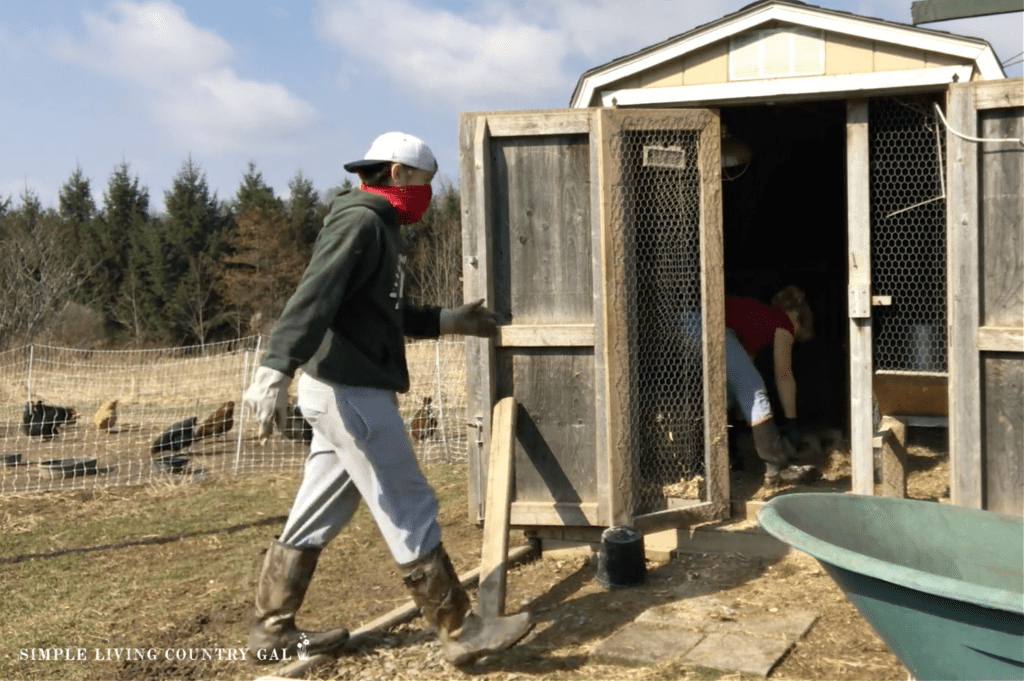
{"x": 452, "y": 59}
{"x": 194, "y": 93}
{"x": 500, "y": 53}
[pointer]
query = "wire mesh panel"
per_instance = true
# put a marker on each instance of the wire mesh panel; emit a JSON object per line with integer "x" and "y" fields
{"x": 661, "y": 220}
{"x": 908, "y": 222}
{"x": 72, "y": 418}
{"x": 660, "y": 199}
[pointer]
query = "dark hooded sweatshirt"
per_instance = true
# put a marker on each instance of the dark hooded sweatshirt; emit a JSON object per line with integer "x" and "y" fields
{"x": 346, "y": 322}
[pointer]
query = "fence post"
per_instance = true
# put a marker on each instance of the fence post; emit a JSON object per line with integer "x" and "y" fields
{"x": 241, "y": 410}
{"x": 440, "y": 401}
{"x": 28, "y": 378}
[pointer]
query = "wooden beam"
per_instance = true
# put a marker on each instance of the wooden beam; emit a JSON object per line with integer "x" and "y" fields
{"x": 478, "y": 282}
{"x": 527, "y": 513}
{"x": 998, "y": 94}
{"x": 677, "y": 517}
{"x": 927, "y": 11}
{"x": 546, "y": 335}
{"x": 494, "y": 554}
{"x": 716, "y": 434}
{"x": 965, "y": 462}
{"x": 528, "y": 123}
{"x": 1000, "y": 339}
{"x": 858, "y": 225}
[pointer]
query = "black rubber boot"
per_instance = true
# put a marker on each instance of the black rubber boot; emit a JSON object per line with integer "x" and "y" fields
{"x": 282, "y": 587}
{"x": 776, "y": 452}
{"x": 445, "y": 605}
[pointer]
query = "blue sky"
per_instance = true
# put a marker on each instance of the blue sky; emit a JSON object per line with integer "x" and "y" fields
{"x": 307, "y": 85}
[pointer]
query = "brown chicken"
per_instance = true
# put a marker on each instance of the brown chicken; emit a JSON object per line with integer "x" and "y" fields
{"x": 217, "y": 423}
{"x": 424, "y": 423}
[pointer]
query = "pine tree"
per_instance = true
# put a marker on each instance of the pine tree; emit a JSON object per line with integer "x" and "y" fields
{"x": 77, "y": 210}
{"x": 303, "y": 208}
{"x": 195, "y": 233}
{"x": 254, "y": 193}
{"x": 109, "y": 245}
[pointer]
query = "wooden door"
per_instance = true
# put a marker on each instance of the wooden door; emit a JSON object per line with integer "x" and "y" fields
{"x": 986, "y": 303}
{"x": 540, "y": 208}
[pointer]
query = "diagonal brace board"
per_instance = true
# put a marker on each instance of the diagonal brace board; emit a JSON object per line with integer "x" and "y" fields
{"x": 497, "y": 510}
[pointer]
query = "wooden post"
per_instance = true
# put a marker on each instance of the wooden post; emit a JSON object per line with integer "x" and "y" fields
{"x": 474, "y": 147}
{"x": 891, "y": 441}
{"x": 965, "y": 480}
{"x": 858, "y": 225}
{"x": 491, "y": 594}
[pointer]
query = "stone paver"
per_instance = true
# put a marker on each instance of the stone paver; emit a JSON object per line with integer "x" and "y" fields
{"x": 705, "y": 631}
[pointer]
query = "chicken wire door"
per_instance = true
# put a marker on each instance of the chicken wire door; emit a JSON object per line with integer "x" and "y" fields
{"x": 596, "y": 233}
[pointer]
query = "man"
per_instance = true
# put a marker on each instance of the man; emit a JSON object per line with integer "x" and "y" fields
{"x": 346, "y": 325}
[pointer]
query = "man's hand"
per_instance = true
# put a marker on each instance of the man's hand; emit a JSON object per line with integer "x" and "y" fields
{"x": 267, "y": 398}
{"x": 472, "y": 319}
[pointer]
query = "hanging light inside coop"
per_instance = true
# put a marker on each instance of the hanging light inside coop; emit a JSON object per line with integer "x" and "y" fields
{"x": 735, "y": 152}
{"x": 664, "y": 157}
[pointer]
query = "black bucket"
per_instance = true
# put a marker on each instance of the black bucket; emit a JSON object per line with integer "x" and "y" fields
{"x": 621, "y": 562}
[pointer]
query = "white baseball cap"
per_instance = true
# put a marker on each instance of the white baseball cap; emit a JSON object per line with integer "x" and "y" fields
{"x": 397, "y": 147}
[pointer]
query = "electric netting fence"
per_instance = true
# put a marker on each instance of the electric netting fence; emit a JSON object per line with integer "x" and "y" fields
{"x": 86, "y": 418}
{"x": 661, "y": 223}
{"x": 908, "y": 223}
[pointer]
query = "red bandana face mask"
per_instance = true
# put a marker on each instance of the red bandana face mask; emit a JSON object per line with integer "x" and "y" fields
{"x": 409, "y": 202}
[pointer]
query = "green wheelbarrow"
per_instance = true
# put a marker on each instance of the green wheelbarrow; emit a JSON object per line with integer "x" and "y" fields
{"x": 943, "y": 586}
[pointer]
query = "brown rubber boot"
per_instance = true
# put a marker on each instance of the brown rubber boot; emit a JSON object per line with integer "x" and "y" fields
{"x": 279, "y": 594}
{"x": 445, "y": 605}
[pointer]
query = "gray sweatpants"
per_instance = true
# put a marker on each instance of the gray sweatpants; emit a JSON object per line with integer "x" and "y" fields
{"x": 360, "y": 450}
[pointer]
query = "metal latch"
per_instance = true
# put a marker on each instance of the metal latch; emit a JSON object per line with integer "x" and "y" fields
{"x": 859, "y": 302}
{"x": 478, "y": 424}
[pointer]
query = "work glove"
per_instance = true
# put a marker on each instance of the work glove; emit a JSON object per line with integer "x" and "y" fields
{"x": 790, "y": 429}
{"x": 472, "y": 319}
{"x": 267, "y": 398}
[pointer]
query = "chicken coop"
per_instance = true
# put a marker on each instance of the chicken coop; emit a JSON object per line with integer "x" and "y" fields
{"x": 875, "y": 164}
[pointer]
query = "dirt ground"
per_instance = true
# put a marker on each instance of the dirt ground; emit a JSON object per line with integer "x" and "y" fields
{"x": 357, "y": 582}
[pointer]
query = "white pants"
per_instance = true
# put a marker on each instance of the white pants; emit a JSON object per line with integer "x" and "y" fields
{"x": 360, "y": 450}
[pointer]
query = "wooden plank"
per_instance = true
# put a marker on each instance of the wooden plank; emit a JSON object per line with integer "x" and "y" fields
{"x": 601, "y": 412}
{"x": 677, "y": 517}
{"x": 542, "y": 229}
{"x": 998, "y": 94}
{"x": 614, "y": 325}
{"x": 1001, "y": 204}
{"x": 529, "y": 513}
{"x": 534, "y": 123}
{"x": 906, "y": 393}
{"x": 546, "y": 335}
{"x": 494, "y": 554}
{"x": 554, "y": 451}
{"x": 475, "y": 176}
{"x": 995, "y": 339}
{"x": 964, "y": 366}
{"x": 927, "y": 11}
{"x": 858, "y": 197}
{"x": 1003, "y": 434}
{"x": 716, "y": 434}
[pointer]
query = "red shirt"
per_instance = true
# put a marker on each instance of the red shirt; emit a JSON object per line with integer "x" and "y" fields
{"x": 754, "y": 323}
